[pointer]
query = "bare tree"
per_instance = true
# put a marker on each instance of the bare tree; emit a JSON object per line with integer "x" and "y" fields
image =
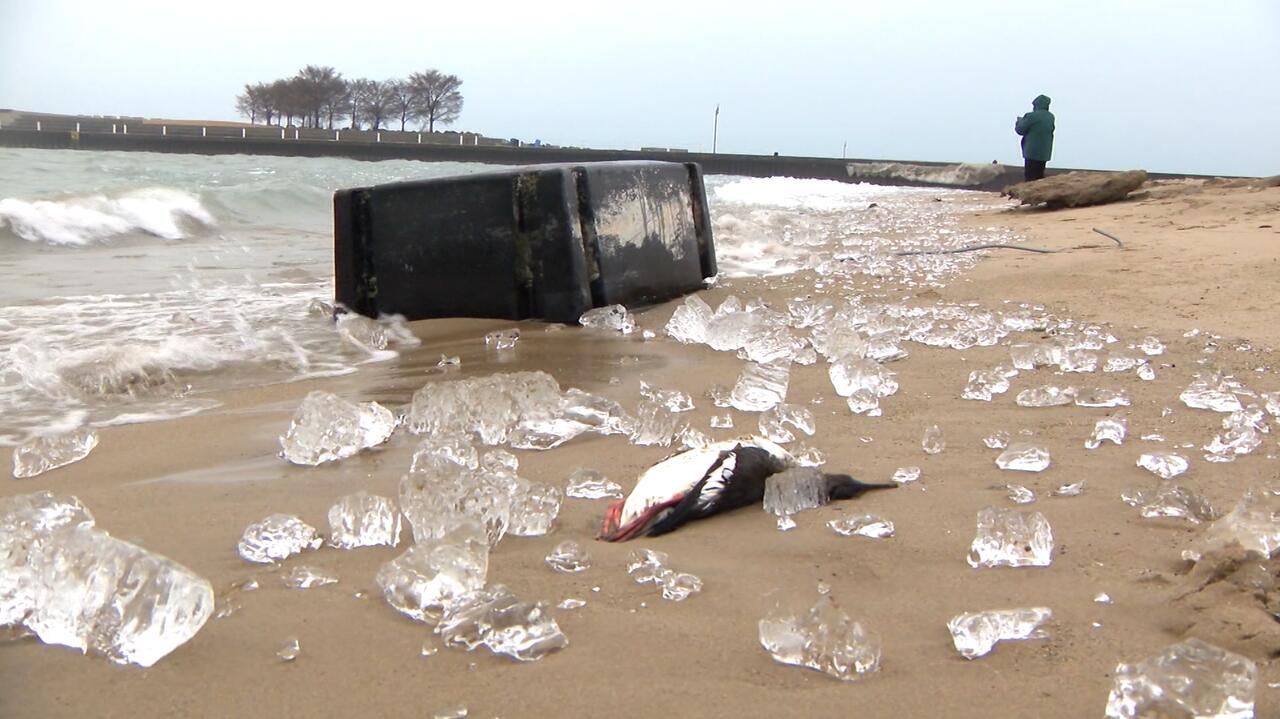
{"x": 249, "y": 102}
{"x": 437, "y": 96}
{"x": 404, "y": 102}
{"x": 318, "y": 88}
{"x": 372, "y": 101}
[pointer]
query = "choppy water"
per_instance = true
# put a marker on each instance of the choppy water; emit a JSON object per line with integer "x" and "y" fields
{"x": 137, "y": 282}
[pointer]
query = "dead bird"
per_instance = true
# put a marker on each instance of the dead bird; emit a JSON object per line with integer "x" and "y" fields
{"x": 698, "y": 483}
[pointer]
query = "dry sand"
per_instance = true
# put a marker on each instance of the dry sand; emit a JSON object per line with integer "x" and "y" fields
{"x": 1194, "y": 258}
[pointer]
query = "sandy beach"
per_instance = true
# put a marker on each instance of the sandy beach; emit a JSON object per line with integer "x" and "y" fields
{"x": 1196, "y": 257}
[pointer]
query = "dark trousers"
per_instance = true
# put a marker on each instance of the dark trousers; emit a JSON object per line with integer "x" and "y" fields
{"x": 1033, "y": 170}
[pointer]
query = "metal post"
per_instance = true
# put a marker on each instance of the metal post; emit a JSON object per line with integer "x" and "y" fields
{"x": 419, "y": 138}
{"x": 476, "y": 140}
{"x": 460, "y": 136}
{"x": 204, "y": 132}
{"x": 113, "y": 127}
{"x": 126, "y": 128}
{"x": 282, "y": 133}
{"x": 377, "y": 137}
{"x": 77, "y": 127}
{"x": 337, "y": 135}
{"x": 244, "y": 132}
{"x": 295, "y": 133}
{"x": 164, "y": 129}
{"x": 715, "y": 130}
{"x": 37, "y": 126}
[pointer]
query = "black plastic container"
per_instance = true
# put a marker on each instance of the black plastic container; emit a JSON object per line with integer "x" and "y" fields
{"x": 543, "y": 241}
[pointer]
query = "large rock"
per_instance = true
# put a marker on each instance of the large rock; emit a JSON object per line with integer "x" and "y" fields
{"x": 1078, "y": 189}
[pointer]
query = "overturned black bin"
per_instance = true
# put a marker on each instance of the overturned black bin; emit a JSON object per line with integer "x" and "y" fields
{"x": 544, "y": 241}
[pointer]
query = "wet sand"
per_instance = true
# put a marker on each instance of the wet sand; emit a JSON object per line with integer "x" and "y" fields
{"x": 188, "y": 487}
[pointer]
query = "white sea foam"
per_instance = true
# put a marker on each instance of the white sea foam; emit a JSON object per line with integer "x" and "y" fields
{"x": 83, "y": 220}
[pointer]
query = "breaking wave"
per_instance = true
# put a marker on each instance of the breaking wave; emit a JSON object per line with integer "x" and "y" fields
{"x": 961, "y": 175}
{"x": 83, "y": 220}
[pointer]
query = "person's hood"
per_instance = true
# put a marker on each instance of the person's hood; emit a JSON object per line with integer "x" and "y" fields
{"x": 1041, "y": 102}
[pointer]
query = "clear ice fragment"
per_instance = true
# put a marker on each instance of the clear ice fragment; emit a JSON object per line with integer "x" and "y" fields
{"x": 591, "y": 484}
{"x": 794, "y": 490}
{"x": 1102, "y": 598}
{"x": 41, "y": 454}
{"x": 1070, "y": 490}
{"x": 289, "y": 649}
{"x": 1010, "y": 538}
{"x": 975, "y": 633}
{"x": 1170, "y": 500}
{"x": 1253, "y": 525}
{"x": 327, "y": 428}
{"x": 761, "y": 386}
{"x": 435, "y": 572}
{"x": 1188, "y": 679}
{"x": 655, "y": 425}
{"x": 773, "y": 422}
{"x": 673, "y": 399}
{"x": 569, "y": 557}
{"x": 998, "y": 439}
{"x": 99, "y": 594}
{"x": 1151, "y": 346}
{"x": 26, "y": 524}
{"x": 495, "y": 619}
{"x": 862, "y": 525}
{"x": 1212, "y": 393}
{"x": 534, "y": 508}
{"x": 1146, "y": 372}
{"x": 277, "y": 537}
{"x": 1024, "y": 457}
{"x": 612, "y": 318}
{"x": 502, "y": 339}
{"x": 1107, "y": 429}
{"x": 906, "y": 475}
{"x": 851, "y": 373}
{"x": 1046, "y": 396}
{"x": 864, "y": 401}
{"x": 1020, "y": 494}
{"x": 364, "y": 520}
{"x": 806, "y": 456}
{"x": 678, "y": 586}
{"x": 644, "y": 565}
{"x": 688, "y": 324}
{"x": 722, "y": 421}
{"x": 306, "y": 577}
{"x": 1165, "y": 465}
{"x": 933, "y": 441}
{"x": 822, "y": 637}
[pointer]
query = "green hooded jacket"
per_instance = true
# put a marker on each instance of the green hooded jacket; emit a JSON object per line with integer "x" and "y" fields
{"x": 1036, "y": 128}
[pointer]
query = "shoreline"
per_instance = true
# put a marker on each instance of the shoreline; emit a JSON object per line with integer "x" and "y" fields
{"x": 629, "y": 648}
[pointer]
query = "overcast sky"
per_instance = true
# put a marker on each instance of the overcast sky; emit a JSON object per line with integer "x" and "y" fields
{"x": 1160, "y": 85}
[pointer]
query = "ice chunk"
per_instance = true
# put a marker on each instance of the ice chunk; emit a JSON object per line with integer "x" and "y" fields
{"x": 1010, "y": 538}
{"x": 906, "y": 475}
{"x": 1173, "y": 501}
{"x": 1020, "y": 494}
{"x": 852, "y": 373}
{"x": 571, "y": 604}
{"x": 327, "y": 428}
{"x": 1188, "y": 679}
{"x": 862, "y": 525}
{"x": 99, "y": 594}
{"x": 806, "y": 456}
{"x": 569, "y": 558}
{"x": 435, "y": 572}
{"x": 673, "y": 399}
{"x": 976, "y": 633}
{"x": 1107, "y": 429}
{"x": 534, "y": 508}
{"x": 933, "y": 441}
{"x": 1099, "y": 397}
{"x": 1046, "y": 396}
{"x": 1031, "y": 356}
{"x": 1151, "y": 346}
{"x": 1146, "y": 372}
{"x": 305, "y": 577}
{"x": 761, "y": 386}
{"x": 1212, "y": 392}
{"x": 821, "y": 637}
{"x": 1024, "y": 457}
{"x": 1165, "y": 465}
{"x": 591, "y": 484}
{"x": 864, "y": 401}
{"x": 794, "y": 490}
{"x": 808, "y": 312}
{"x": 773, "y": 422}
{"x": 499, "y": 461}
{"x": 613, "y": 318}
{"x": 495, "y": 619}
{"x": 289, "y": 649}
{"x": 644, "y": 565}
{"x": 26, "y": 523}
{"x": 1078, "y": 360}
{"x": 688, "y": 324}
{"x": 678, "y": 586}
{"x": 41, "y": 454}
{"x": 436, "y": 451}
{"x": 722, "y": 421}
{"x": 363, "y": 520}
{"x": 1074, "y": 489}
{"x": 983, "y": 384}
{"x": 998, "y": 439}
{"x": 277, "y": 537}
{"x": 502, "y": 339}
{"x": 1253, "y": 524}
{"x": 655, "y": 425}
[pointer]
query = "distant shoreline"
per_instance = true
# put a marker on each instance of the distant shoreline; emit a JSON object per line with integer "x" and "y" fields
{"x": 188, "y": 137}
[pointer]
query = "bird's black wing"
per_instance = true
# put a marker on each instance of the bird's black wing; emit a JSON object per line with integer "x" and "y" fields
{"x": 734, "y": 480}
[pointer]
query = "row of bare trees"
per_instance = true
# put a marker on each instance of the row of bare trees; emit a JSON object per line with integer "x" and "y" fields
{"x": 319, "y": 96}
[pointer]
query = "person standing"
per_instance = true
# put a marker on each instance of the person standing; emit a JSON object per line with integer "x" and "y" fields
{"x": 1036, "y": 128}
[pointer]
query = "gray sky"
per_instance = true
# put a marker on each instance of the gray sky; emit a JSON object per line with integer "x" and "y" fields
{"x": 1160, "y": 85}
